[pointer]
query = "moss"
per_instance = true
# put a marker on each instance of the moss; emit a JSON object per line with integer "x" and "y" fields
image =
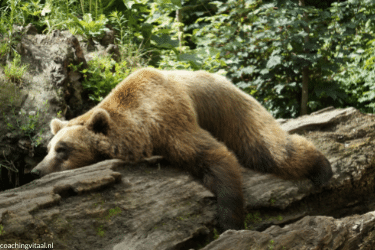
{"x": 113, "y": 212}
{"x": 255, "y": 218}
{"x": 100, "y": 231}
{"x": 2, "y": 230}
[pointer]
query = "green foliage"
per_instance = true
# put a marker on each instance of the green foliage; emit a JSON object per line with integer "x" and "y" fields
{"x": 265, "y": 51}
{"x": 8, "y": 39}
{"x": 30, "y": 11}
{"x": 356, "y": 24}
{"x": 88, "y": 27}
{"x": 358, "y": 79}
{"x": 262, "y": 46}
{"x": 15, "y": 71}
{"x": 188, "y": 59}
{"x": 119, "y": 21}
{"x": 102, "y": 75}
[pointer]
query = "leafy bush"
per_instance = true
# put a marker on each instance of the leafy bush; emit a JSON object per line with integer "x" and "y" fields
{"x": 355, "y": 21}
{"x": 118, "y": 22}
{"x": 8, "y": 38}
{"x": 265, "y": 51}
{"x": 102, "y": 75}
{"x": 88, "y": 27}
{"x": 358, "y": 79}
{"x": 188, "y": 59}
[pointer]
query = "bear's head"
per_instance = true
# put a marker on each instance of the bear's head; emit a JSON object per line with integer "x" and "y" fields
{"x": 76, "y": 145}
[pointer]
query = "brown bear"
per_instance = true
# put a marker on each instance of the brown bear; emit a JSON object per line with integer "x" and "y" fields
{"x": 196, "y": 120}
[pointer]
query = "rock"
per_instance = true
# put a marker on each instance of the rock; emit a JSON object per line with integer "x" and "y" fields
{"x": 48, "y": 89}
{"x": 274, "y": 201}
{"x": 73, "y": 41}
{"x": 30, "y": 29}
{"x": 109, "y": 205}
{"x": 317, "y": 232}
{"x": 317, "y": 119}
{"x": 114, "y": 50}
{"x": 112, "y": 205}
{"x": 108, "y": 38}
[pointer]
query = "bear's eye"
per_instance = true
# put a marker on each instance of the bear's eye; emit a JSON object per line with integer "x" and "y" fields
{"x": 60, "y": 149}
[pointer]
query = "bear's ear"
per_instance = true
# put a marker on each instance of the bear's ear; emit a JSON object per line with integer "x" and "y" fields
{"x": 56, "y": 125}
{"x": 99, "y": 121}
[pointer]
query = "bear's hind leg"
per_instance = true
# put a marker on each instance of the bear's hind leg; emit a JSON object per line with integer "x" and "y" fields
{"x": 224, "y": 179}
{"x": 306, "y": 161}
{"x": 211, "y": 161}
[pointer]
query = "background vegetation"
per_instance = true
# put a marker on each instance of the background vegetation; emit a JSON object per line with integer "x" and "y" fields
{"x": 294, "y": 56}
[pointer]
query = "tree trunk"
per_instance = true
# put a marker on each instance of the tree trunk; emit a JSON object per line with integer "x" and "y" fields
{"x": 305, "y": 70}
{"x": 305, "y": 90}
{"x": 180, "y": 28}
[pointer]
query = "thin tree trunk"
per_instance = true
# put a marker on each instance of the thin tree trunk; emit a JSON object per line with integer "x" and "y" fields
{"x": 305, "y": 70}
{"x": 305, "y": 90}
{"x": 180, "y": 28}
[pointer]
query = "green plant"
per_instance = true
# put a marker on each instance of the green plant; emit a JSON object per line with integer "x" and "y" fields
{"x": 8, "y": 38}
{"x": 89, "y": 27}
{"x": 15, "y": 71}
{"x": 272, "y": 201}
{"x": 216, "y": 234}
{"x": 271, "y": 245}
{"x": 102, "y": 75}
{"x": 59, "y": 114}
{"x": 2, "y": 230}
{"x": 119, "y": 21}
{"x": 31, "y": 11}
{"x": 100, "y": 231}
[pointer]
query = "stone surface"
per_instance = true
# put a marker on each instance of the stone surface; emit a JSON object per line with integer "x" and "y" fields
{"x": 309, "y": 233}
{"x": 112, "y": 205}
{"x": 318, "y": 119}
{"x": 50, "y": 88}
{"x": 109, "y": 205}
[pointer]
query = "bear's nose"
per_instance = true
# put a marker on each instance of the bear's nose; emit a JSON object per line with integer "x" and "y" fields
{"x": 35, "y": 173}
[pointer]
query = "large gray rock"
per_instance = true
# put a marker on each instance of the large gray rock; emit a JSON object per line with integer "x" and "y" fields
{"x": 309, "y": 233}
{"x": 109, "y": 205}
{"x": 112, "y": 205}
{"x": 48, "y": 89}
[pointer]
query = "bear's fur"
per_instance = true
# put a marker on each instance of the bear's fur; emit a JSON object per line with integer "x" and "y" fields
{"x": 196, "y": 120}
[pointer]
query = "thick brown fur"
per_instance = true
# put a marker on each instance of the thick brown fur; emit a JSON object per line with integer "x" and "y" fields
{"x": 196, "y": 120}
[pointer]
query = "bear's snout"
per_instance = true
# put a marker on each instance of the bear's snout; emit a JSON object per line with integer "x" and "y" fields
{"x": 44, "y": 167}
{"x": 36, "y": 173}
